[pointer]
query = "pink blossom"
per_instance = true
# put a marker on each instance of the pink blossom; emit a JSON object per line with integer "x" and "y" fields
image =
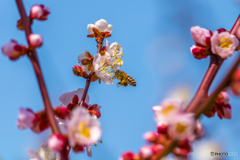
{"x": 35, "y": 40}
{"x": 83, "y": 129}
{"x": 25, "y": 118}
{"x": 39, "y": 12}
{"x": 223, "y": 44}
{"x": 201, "y": 36}
{"x": 89, "y": 150}
{"x": 57, "y": 142}
{"x": 13, "y": 50}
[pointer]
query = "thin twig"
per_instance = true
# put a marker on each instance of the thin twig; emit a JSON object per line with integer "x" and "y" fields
{"x": 34, "y": 59}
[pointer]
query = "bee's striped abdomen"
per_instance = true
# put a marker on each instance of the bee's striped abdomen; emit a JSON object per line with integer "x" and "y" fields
{"x": 131, "y": 81}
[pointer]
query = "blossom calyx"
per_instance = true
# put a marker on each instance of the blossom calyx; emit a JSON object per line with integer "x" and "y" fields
{"x": 78, "y": 71}
{"x": 13, "y": 50}
{"x": 39, "y": 12}
{"x": 150, "y": 136}
{"x": 86, "y": 60}
{"x": 62, "y": 112}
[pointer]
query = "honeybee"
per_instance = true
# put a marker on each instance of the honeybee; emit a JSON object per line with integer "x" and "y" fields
{"x": 124, "y": 78}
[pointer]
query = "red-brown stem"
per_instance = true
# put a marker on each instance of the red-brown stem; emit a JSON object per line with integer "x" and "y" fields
{"x": 85, "y": 91}
{"x": 198, "y": 106}
{"x": 34, "y": 59}
{"x": 202, "y": 92}
{"x": 224, "y": 83}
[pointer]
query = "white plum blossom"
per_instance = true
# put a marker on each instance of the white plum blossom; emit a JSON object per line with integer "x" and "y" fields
{"x": 200, "y": 35}
{"x": 83, "y": 129}
{"x": 101, "y": 67}
{"x": 44, "y": 153}
{"x": 181, "y": 125}
{"x": 223, "y": 44}
{"x": 114, "y": 55}
{"x": 87, "y": 57}
{"x": 25, "y": 118}
{"x": 67, "y": 97}
{"x": 167, "y": 108}
{"x": 102, "y": 25}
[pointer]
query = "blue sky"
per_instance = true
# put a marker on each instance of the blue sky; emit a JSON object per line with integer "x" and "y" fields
{"x": 156, "y": 41}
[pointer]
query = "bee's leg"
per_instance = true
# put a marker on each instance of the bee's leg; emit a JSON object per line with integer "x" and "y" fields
{"x": 125, "y": 84}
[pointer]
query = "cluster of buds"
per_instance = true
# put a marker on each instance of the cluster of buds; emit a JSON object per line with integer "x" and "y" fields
{"x": 220, "y": 43}
{"x": 221, "y": 106}
{"x": 235, "y": 82}
{"x": 12, "y": 49}
{"x": 172, "y": 123}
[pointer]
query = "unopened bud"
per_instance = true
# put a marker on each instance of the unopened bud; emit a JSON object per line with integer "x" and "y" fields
{"x": 150, "y": 137}
{"x": 162, "y": 127}
{"x": 78, "y": 71}
{"x": 57, "y": 142}
{"x": 146, "y": 152}
{"x": 39, "y": 12}
{"x": 13, "y": 50}
{"x": 35, "y": 40}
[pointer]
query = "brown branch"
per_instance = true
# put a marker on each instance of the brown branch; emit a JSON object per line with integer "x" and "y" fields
{"x": 202, "y": 92}
{"x": 34, "y": 59}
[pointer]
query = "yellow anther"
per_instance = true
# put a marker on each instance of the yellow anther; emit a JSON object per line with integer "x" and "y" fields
{"x": 100, "y": 141}
{"x": 168, "y": 109}
{"x": 84, "y": 130}
{"x": 180, "y": 128}
{"x": 95, "y": 144}
{"x": 225, "y": 42}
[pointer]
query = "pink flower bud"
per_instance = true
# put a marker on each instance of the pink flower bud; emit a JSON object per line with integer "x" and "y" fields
{"x": 78, "y": 71}
{"x": 13, "y": 50}
{"x": 224, "y": 111}
{"x": 146, "y": 152}
{"x": 150, "y": 137}
{"x": 25, "y": 118}
{"x": 39, "y": 12}
{"x": 223, "y": 96}
{"x": 57, "y": 142}
{"x": 35, "y": 40}
{"x": 157, "y": 148}
{"x": 127, "y": 155}
{"x": 201, "y": 36}
{"x": 162, "y": 128}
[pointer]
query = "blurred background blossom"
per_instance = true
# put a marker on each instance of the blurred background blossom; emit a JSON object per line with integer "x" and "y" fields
{"x": 156, "y": 41}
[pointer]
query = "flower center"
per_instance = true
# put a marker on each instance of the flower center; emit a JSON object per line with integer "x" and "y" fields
{"x": 167, "y": 110}
{"x": 105, "y": 67}
{"x": 225, "y": 43}
{"x": 180, "y": 128}
{"x": 84, "y": 130}
{"x": 117, "y": 55}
